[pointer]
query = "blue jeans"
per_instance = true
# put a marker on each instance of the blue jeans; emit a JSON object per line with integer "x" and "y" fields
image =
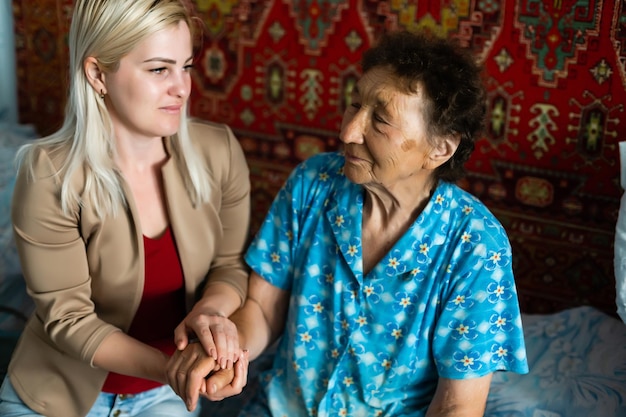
{"x": 157, "y": 402}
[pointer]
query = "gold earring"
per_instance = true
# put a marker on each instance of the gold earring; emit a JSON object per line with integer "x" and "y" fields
{"x": 102, "y": 94}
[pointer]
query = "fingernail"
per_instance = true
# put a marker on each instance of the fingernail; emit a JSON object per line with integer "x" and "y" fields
{"x": 213, "y": 389}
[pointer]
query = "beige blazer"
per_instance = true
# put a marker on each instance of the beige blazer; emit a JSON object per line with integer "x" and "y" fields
{"x": 86, "y": 276}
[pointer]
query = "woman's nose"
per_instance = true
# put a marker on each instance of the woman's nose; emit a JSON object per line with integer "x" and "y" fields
{"x": 352, "y": 128}
{"x": 181, "y": 85}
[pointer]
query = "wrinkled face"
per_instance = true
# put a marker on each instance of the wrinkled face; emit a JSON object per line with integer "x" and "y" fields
{"x": 385, "y": 133}
{"x": 146, "y": 95}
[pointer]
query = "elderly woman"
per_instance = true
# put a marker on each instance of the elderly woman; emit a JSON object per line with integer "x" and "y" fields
{"x": 390, "y": 288}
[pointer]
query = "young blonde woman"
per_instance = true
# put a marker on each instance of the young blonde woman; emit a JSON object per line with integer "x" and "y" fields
{"x": 130, "y": 222}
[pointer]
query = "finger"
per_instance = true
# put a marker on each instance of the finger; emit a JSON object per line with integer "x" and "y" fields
{"x": 232, "y": 343}
{"x": 234, "y": 340}
{"x": 195, "y": 385}
{"x": 205, "y": 337}
{"x": 217, "y": 384}
{"x": 173, "y": 367}
{"x": 241, "y": 371}
{"x": 228, "y": 382}
{"x": 223, "y": 345}
{"x": 180, "y": 336}
{"x": 194, "y": 377}
{"x": 227, "y": 342}
{"x": 184, "y": 375}
{"x": 177, "y": 368}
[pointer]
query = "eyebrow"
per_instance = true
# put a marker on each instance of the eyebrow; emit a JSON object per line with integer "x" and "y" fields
{"x": 380, "y": 104}
{"x": 166, "y": 60}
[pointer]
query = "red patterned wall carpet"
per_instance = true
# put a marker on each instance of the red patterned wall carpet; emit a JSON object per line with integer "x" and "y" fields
{"x": 279, "y": 73}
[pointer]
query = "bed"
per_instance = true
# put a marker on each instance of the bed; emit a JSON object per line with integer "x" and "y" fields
{"x": 577, "y": 356}
{"x": 15, "y": 305}
{"x": 577, "y": 361}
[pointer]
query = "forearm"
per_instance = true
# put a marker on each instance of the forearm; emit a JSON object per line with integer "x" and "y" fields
{"x": 454, "y": 411}
{"x": 460, "y": 398}
{"x": 125, "y": 355}
{"x": 220, "y": 299}
{"x": 255, "y": 333}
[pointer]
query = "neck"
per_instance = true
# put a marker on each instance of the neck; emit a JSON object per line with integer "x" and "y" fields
{"x": 391, "y": 205}
{"x": 140, "y": 155}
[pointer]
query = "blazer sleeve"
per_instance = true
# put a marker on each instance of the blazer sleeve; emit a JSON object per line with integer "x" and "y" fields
{"x": 233, "y": 176}
{"x": 54, "y": 262}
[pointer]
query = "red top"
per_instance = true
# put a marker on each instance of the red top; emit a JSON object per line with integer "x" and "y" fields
{"x": 161, "y": 309}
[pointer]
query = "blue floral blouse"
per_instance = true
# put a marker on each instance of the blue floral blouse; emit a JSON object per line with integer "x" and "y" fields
{"x": 441, "y": 303}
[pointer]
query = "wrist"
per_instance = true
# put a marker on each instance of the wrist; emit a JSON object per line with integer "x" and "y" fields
{"x": 210, "y": 306}
{"x": 160, "y": 372}
{"x": 223, "y": 297}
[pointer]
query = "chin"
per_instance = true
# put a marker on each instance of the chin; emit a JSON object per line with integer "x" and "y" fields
{"x": 169, "y": 131}
{"x": 353, "y": 175}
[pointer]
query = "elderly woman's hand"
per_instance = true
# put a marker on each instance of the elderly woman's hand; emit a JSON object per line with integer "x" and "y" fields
{"x": 228, "y": 382}
{"x": 191, "y": 373}
{"x": 216, "y": 333}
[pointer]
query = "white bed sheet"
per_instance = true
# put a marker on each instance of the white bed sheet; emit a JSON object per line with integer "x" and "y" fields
{"x": 577, "y": 362}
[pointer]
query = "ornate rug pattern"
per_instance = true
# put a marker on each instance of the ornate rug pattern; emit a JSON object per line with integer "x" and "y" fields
{"x": 279, "y": 72}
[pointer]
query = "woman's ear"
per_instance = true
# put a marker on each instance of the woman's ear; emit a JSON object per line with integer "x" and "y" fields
{"x": 443, "y": 151}
{"x": 95, "y": 76}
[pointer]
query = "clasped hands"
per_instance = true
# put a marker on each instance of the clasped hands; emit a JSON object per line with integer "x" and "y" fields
{"x": 212, "y": 365}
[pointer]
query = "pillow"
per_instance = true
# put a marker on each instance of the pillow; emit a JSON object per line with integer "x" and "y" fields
{"x": 11, "y": 138}
{"x": 14, "y": 302}
{"x": 620, "y": 242}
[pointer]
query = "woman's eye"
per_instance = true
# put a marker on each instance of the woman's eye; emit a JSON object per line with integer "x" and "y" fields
{"x": 378, "y": 119}
{"x": 188, "y": 68}
{"x": 158, "y": 70}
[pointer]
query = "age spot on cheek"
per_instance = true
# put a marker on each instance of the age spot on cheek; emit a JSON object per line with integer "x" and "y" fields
{"x": 407, "y": 145}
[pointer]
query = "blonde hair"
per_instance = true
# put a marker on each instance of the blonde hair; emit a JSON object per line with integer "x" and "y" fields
{"x": 108, "y": 30}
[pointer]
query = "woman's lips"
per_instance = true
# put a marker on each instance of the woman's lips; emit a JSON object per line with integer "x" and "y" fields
{"x": 172, "y": 109}
{"x": 352, "y": 158}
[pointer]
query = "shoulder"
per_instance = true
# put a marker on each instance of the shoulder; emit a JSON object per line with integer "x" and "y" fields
{"x": 44, "y": 167}
{"x": 217, "y": 137}
{"x": 314, "y": 180}
{"x": 465, "y": 212}
{"x": 44, "y": 160}
{"x": 463, "y": 201}
{"x": 324, "y": 167}
{"x": 326, "y": 161}
{"x": 218, "y": 145}
{"x": 469, "y": 214}
{"x": 320, "y": 173}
